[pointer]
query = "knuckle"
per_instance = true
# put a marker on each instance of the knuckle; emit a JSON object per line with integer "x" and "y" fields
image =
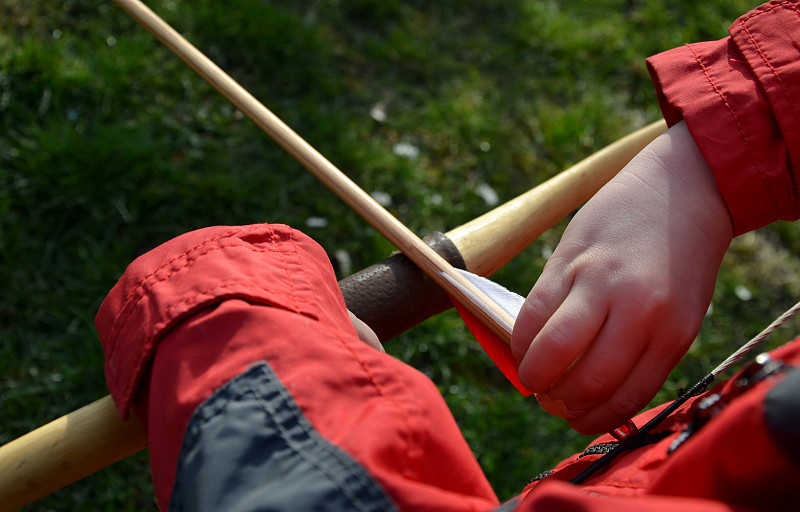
{"x": 685, "y": 332}
{"x": 646, "y": 295}
{"x": 624, "y": 404}
{"x": 652, "y": 298}
{"x": 591, "y": 388}
{"x": 534, "y": 309}
{"x": 556, "y": 341}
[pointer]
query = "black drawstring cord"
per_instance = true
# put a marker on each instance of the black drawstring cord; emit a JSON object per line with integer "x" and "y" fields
{"x": 626, "y": 443}
{"x": 693, "y": 391}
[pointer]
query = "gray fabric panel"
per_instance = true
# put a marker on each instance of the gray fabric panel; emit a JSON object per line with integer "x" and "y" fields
{"x": 782, "y": 412}
{"x": 249, "y": 447}
{"x": 508, "y": 506}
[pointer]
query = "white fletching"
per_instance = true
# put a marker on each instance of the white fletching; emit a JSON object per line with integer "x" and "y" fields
{"x": 509, "y": 301}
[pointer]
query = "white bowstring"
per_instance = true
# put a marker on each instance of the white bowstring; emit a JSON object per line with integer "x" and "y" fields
{"x": 756, "y": 340}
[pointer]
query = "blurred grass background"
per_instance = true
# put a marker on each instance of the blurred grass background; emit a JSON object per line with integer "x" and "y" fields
{"x": 109, "y": 145}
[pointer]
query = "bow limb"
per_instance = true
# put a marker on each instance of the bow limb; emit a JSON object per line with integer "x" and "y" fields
{"x": 491, "y": 240}
{"x": 66, "y": 450}
{"x": 94, "y": 437}
{"x": 485, "y": 244}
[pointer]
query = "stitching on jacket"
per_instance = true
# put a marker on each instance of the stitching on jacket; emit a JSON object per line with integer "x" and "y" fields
{"x": 747, "y": 142}
{"x": 308, "y": 430}
{"x": 216, "y": 404}
{"x": 137, "y": 288}
{"x": 190, "y": 301}
{"x": 142, "y": 286}
{"x": 185, "y": 254}
{"x": 207, "y": 294}
{"x": 764, "y": 9}
{"x": 123, "y": 319}
{"x": 770, "y": 66}
{"x": 289, "y": 276}
{"x": 378, "y": 389}
{"x": 300, "y": 256}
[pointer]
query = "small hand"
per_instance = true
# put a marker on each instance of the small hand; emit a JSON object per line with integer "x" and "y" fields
{"x": 623, "y": 295}
{"x": 365, "y": 333}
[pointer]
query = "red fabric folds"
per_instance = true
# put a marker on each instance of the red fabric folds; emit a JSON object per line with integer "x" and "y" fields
{"x": 740, "y": 99}
{"x": 201, "y": 309}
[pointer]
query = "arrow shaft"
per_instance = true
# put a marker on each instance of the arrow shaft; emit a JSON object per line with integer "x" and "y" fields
{"x": 93, "y": 437}
{"x": 347, "y": 190}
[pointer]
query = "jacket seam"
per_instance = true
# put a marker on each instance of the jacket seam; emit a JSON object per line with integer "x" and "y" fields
{"x": 143, "y": 286}
{"x": 140, "y": 283}
{"x": 379, "y": 389}
{"x": 748, "y": 144}
{"x": 212, "y": 407}
{"x": 289, "y": 276}
{"x": 771, "y": 67}
{"x": 193, "y": 301}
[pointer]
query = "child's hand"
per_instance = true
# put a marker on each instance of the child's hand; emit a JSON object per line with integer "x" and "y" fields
{"x": 624, "y": 293}
{"x": 365, "y": 332}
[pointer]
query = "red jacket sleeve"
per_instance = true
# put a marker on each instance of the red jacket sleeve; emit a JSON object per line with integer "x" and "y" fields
{"x": 233, "y": 346}
{"x": 740, "y": 99}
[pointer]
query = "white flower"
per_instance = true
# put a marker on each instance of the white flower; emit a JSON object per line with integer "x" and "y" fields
{"x": 742, "y": 292}
{"x": 407, "y": 150}
{"x": 381, "y": 197}
{"x": 343, "y": 260}
{"x": 488, "y": 194}
{"x": 434, "y": 199}
{"x": 316, "y": 222}
{"x": 378, "y": 112}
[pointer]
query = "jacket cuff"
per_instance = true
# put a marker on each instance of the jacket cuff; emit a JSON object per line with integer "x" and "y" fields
{"x": 262, "y": 264}
{"x": 769, "y": 40}
{"x": 710, "y": 87}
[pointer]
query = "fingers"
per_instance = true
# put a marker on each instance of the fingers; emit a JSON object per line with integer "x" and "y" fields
{"x": 640, "y": 258}
{"x": 606, "y": 362}
{"x": 665, "y": 347}
{"x": 619, "y": 374}
{"x": 365, "y": 333}
{"x": 638, "y": 388}
{"x": 595, "y": 359}
{"x": 562, "y": 339}
{"x": 543, "y": 300}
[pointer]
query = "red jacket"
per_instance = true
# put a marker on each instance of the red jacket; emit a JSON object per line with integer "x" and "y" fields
{"x": 233, "y": 346}
{"x": 740, "y": 98}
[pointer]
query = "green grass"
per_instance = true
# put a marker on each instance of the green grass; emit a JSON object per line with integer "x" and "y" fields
{"x": 109, "y": 146}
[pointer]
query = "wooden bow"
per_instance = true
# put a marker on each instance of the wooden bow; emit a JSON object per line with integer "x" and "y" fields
{"x": 93, "y": 437}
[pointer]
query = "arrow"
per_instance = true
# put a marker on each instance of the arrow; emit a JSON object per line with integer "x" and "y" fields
{"x": 470, "y": 296}
{"x": 94, "y": 437}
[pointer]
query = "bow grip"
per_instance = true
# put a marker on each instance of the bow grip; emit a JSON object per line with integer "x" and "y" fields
{"x": 394, "y": 295}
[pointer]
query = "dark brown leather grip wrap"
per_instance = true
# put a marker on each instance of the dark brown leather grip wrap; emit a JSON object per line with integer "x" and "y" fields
{"x": 394, "y": 295}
